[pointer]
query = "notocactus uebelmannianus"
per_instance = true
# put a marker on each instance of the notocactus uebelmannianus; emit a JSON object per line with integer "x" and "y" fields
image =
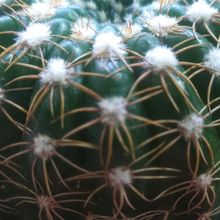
{"x": 109, "y": 110}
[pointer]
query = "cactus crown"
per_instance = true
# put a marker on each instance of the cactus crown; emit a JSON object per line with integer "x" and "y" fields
{"x": 109, "y": 110}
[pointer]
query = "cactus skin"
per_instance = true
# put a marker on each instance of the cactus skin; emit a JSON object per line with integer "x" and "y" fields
{"x": 109, "y": 110}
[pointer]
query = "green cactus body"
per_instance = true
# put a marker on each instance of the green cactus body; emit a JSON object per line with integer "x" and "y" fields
{"x": 109, "y": 110}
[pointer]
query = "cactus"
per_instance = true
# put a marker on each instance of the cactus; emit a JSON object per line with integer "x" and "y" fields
{"x": 109, "y": 110}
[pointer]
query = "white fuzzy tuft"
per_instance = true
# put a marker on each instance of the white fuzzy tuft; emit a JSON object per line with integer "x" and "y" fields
{"x": 190, "y": 126}
{"x": 113, "y": 110}
{"x": 56, "y": 3}
{"x": 2, "y": 2}
{"x": 148, "y": 13}
{"x": 204, "y": 181}
{"x": 44, "y": 146}
{"x": 85, "y": 4}
{"x": 154, "y": 8}
{"x": 108, "y": 45}
{"x": 200, "y": 11}
{"x": 151, "y": 9}
{"x": 120, "y": 176}
{"x": 83, "y": 29}
{"x": 129, "y": 29}
{"x": 118, "y": 6}
{"x": 212, "y": 60}
{"x": 79, "y": 3}
{"x": 103, "y": 16}
{"x": 39, "y": 11}
{"x": 56, "y": 72}
{"x": 155, "y": 5}
{"x": 91, "y": 5}
{"x": 34, "y": 35}
{"x": 162, "y": 25}
{"x": 161, "y": 58}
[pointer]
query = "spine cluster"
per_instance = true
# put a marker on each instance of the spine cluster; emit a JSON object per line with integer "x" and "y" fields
{"x": 109, "y": 110}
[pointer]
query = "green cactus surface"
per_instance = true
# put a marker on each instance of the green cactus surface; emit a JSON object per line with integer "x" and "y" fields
{"x": 109, "y": 110}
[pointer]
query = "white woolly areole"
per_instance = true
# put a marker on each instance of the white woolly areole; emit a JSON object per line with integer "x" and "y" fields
{"x": 152, "y": 9}
{"x": 35, "y": 34}
{"x": 113, "y": 110}
{"x": 2, "y": 2}
{"x": 79, "y": 3}
{"x": 156, "y": 5}
{"x": 40, "y": 10}
{"x": 103, "y": 16}
{"x": 91, "y": 5}
{"x": 190, "y": 126}
{"x": 120, "y": 176}
{"x": 43, "y": 146}
{"x": 162, "y": 25}
{"x": 57, "y": 3}
{"x": 108, "y": 45}
{"x": 161, "y": 58}
{"x": 204, "y": 180}
{"x": 56, "y": 72}
{"x": 212, "y": 60}
{"x": 200, "y": 11}
{"x": 129, "y": 29}
{"x": 83, "y": 29}
{"x": 148, "y": 13}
